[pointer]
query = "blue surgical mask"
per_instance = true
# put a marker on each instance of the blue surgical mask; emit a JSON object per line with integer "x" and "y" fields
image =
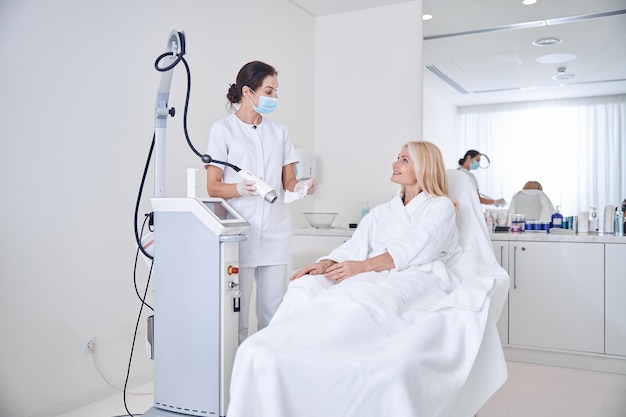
{"x": 266, "y": 104}
{"x": 474, "y": 165}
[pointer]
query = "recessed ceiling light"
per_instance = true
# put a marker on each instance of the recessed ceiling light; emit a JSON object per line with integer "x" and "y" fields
{"x": 555, "y": 58}
{"x": 427, "y": 17}
{"x": 528, "y": 2}
{"x": 547, "y": 41}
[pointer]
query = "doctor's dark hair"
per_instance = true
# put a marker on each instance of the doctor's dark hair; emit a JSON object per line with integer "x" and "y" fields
{"x": 252, "y": 75}
{"x": 429, "y": 167}
{"x": 471, "y": 153}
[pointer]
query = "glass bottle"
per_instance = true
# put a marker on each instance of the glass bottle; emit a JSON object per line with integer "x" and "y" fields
{"x": 557, "y": 218}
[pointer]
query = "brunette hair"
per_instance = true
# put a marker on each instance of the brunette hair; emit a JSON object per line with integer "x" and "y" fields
{"x": 471, "y": 153}
{"x": 252, "y": 75}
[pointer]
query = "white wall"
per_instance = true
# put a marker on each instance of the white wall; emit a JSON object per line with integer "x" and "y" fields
{"x": 78, "y": 89}
{"x": 368, "y": 103}
{"x": 440, "y": 127}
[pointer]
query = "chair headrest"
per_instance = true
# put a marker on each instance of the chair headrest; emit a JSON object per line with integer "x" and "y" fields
{"x": 470, "y": 217}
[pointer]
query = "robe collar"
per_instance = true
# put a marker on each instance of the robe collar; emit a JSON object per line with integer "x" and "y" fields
{"x": 415, "y": 204}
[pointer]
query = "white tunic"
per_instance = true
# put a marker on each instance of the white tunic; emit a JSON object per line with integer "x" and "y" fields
{"x": 471, "y": 175}
{"x": 263, "y": 151}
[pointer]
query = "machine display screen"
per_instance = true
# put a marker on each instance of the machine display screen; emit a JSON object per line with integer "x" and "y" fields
{"x": 220, "y": 210}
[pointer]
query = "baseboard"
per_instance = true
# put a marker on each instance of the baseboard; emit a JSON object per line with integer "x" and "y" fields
{"x": 566, "y": 359}
{"x": 85, "y": 399}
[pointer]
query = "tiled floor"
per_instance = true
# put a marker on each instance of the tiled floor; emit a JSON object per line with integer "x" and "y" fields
{"x": 114, "y": 406}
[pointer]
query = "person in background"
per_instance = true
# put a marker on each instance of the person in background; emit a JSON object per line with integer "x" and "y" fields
{"x": 532, "y": 202}
{"x": 251, "y": 141}
{"x": 471, "y": 162}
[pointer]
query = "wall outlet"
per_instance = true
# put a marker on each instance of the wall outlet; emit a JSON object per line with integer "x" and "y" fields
{"x": 89, "y": 344}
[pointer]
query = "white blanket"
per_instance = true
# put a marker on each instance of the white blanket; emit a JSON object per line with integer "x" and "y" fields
{"x": 398, "y": 343}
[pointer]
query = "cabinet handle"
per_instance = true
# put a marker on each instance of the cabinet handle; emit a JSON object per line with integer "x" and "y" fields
{"x": 501, "y": 255}
{"x": 514, "y": 267}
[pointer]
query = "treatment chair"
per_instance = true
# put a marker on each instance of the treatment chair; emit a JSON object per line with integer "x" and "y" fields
{"x": 533, "y": 204}
{"x": 383, "y": 347}
{"x": 489, "y": 370}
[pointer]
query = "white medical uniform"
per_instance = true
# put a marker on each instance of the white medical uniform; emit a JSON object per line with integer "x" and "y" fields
{"x": 471, "y": 175}
{"x": 262, "y": 150}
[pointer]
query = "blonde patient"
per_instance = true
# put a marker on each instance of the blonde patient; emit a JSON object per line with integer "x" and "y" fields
{"x": 423, "y": 157}
{"x": 385, "y": 324}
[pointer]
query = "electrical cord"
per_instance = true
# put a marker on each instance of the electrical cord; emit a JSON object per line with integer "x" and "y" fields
{"x": 132, "y": 348}
{"x": 180, "y": 58}
{"x": 141, "y": 185}
{"x": 135, "y": 270}
{"x": 95, "y": 363}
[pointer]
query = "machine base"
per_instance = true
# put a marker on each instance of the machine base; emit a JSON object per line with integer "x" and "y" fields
{"x": 157, "y": 412}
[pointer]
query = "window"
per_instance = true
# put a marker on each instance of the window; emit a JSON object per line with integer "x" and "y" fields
{"x": 575, "y": 148}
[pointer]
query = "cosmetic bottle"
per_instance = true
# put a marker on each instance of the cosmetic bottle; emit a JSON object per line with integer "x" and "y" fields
{"x": 557, "y": 218}
{"x": 594, "y": 222}
{"x": 609, "y": 219}
{"x": 365, "y": 208}
{"x": 490, "y": 221}
{"x": 618, "y": 229}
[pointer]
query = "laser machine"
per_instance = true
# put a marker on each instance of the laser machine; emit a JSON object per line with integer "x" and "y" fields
{"x": 196, "y": 295}
{"x": 196, "y": 304}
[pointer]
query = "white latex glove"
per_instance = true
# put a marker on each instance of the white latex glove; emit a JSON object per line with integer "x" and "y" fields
{"x": 247, "y": 188}
{"x": 306, "y": 187}
{"x": 500, "y": 202}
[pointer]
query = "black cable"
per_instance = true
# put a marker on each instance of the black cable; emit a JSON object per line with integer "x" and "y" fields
{"x": 143, "y": 300}
{"x": 204, "y": 157}
{"x": 143, "y": 181}
{"x": 132, "y": 348}
{"x": 169, "y": 67}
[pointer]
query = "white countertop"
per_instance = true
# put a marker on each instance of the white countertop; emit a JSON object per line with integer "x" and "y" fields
{"x": 592, "y": 237}
{"x": 331, "y": 231}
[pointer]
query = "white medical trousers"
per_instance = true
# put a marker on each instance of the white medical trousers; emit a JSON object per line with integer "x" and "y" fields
{"x": 271, "y": 284}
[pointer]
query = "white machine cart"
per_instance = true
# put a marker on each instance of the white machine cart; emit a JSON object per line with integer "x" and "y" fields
{"x": 196, "y": 303}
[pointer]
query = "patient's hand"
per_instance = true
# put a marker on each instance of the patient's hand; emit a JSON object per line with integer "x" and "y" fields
{"x": 344, "y": 270}
{"x": 318, "y": 268}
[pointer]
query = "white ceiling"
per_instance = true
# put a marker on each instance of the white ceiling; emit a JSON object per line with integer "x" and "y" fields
{"x": 481, "y": 51}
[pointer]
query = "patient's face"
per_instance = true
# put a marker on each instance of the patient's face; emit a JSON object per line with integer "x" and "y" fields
{"x": 403, "y": 169}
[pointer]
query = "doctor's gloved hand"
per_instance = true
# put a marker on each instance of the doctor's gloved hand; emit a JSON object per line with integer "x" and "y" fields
{"x": 247, "y": 188}
{"x": 499, "y": 202}
{"x": 306, "y": 187}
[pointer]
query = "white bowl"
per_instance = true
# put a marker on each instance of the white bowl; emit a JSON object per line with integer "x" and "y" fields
{"x": 320, "y": 220}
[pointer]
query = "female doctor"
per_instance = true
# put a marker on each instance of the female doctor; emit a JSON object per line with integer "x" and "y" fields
{"x": 471, "y": 162}
{"x": 250, "y": 141}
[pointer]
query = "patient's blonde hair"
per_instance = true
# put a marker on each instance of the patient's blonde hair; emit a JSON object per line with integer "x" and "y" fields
{"x": 429, "y": 167}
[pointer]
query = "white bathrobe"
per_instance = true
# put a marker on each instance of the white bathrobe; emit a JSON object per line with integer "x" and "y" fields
{"x": 398, "y": 343}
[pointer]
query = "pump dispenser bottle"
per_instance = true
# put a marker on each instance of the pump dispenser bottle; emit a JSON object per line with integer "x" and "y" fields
{"x": 594, "y": 222}
{"x": 557, "y": 218}
{"x": 618, "y": 229}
